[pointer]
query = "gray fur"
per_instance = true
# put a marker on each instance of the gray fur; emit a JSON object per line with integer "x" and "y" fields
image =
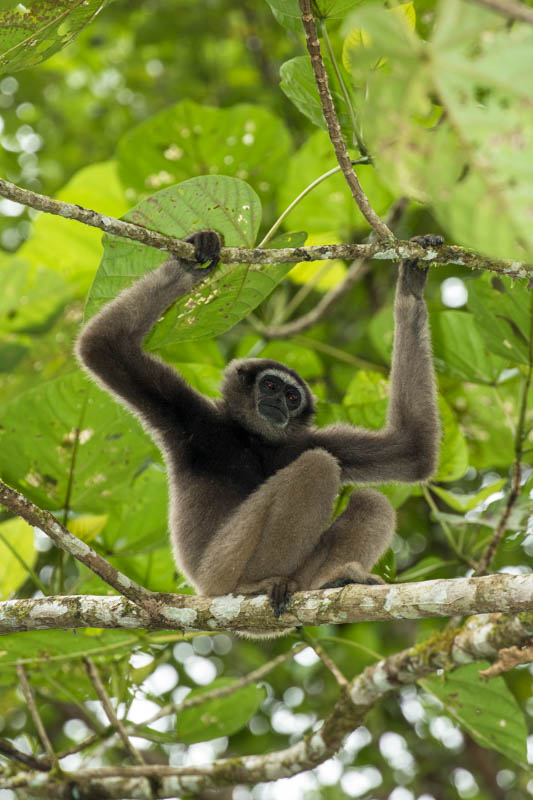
{"x": 251, "y": 501}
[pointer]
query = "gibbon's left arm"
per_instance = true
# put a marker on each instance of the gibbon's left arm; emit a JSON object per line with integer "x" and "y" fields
{"x": 109, "y": 346}
{"x": 407, "y": 448}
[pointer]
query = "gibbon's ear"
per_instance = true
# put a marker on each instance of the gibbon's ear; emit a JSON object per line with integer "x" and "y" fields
{"x": 246, "y": 377}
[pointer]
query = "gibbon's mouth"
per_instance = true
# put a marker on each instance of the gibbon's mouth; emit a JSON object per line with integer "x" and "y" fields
{"x": 273, "y": 414}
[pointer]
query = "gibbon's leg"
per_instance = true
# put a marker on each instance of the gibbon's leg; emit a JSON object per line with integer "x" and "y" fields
{"x": 352, "y": 544}
{"x": 274, "y": 530}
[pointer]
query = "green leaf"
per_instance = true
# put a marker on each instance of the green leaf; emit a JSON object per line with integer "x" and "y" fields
{"x": 30, "y": 298}
{"x": 467, "y": 502}
{"x": 502, "y": 311}
{"x": 298, "y": 83}
{"x": 288, "y": 14}
{"x": 367, "y": 398}
{"x": 67, "y": 247}
{"x": 459, "y": 349}
{"x": 453, "y": 458}
{"x": 486, "y": 709}
{"x": 16, "y": 539}
{"x": 484, "y": 414}
{"x": 88, "y": 527}
{"x": 219, "y": 717}
{"x": 32, "y": 31}
{"x": 38, "y": 435}
{"x": 187, "y": 140}
{"x": 226, "y": 204}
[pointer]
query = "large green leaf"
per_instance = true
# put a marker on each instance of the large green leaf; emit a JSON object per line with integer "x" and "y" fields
{"x": 69, "y": 248}
{"x": 220, "y": 717}
{"x": 38, "y": 439}
{"x": 486, "y": 709}
{"x": 32, "y": 31}
{"x": 475, "y": 166}
{"x": 187, "y": 140}
{"x": 459, "y": 348}
{"x": 502, "y": 310}
{"x": 226, "y": 204}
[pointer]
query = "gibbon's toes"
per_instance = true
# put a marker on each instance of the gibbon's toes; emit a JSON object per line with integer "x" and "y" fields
{"x": 338, "y": 583}
{"x": 375, "y": 580}
{"x": 207, "y": 246}
{"x": 279, "y": 598}
{"x": 354, "y": 574}
{"x": 428, "y": 240}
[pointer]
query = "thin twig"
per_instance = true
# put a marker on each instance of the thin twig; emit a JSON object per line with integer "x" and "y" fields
{"x": 490, "y": 551}
{"x": 65, "y": 540}
{"x": 326, "y": 659}
{"x": 508, "y": 8}
{"x": 43, "y": 736}
{"x": 99, "y": 688}
{"x": 332, "y": 121}
{"x": 390, "y": 250}
{"x": 7, "y": 750}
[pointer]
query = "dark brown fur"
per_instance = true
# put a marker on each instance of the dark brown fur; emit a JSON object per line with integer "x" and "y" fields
{"x": 250, "y": 503}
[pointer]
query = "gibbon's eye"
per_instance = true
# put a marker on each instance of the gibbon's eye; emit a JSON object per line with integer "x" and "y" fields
{"x": 270, "y": 384}
{"x": 293, "y": 397}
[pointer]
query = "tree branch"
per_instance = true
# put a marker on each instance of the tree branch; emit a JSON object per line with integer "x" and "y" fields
{"x": 66, "y": 541}
{"x": 508, "y": 8}
{"x": 332, "y": 121}
{"x": 480, "y": 638}
{"x": 354, "y": 603}
{"x": 393, "y": 250}
{"x": 94, "y": 677}
{"x": 30, "y": 701}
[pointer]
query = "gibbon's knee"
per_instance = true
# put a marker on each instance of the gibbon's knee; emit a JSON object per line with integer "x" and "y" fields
{"x": 317, "y": 467}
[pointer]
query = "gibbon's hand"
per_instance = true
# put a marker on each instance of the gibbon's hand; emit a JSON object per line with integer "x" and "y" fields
{"x": 413, "y": 278}
{"x": 207, "y": 246}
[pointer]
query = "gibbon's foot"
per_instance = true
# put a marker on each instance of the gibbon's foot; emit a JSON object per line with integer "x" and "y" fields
{"x": 370, "y": 581}
{"x": 279, "y": 598}
{"x": 207, "y": 246}
{"x": 353, "y": 573}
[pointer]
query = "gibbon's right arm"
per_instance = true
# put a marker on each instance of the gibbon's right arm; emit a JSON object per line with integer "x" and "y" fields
{"x": 109, "y": 346}
{"x": 406, "y": 449}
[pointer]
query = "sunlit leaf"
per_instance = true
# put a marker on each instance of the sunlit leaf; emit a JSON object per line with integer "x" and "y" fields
{"x": 16, "y": 538}
{"x": 220, "y": 717}
{"x": 486, "y": 709}
{"x": 32, "y": 31}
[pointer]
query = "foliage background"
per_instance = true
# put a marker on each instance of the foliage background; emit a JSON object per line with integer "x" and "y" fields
{"x": 154, "y": 93}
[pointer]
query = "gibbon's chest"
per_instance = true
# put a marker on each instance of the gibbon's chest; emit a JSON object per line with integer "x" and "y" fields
{"x": 235, "y": 458}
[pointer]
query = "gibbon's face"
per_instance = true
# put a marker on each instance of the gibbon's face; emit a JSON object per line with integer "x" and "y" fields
{"x": 267, "y": 398}
{"x": 278, "y": 396}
